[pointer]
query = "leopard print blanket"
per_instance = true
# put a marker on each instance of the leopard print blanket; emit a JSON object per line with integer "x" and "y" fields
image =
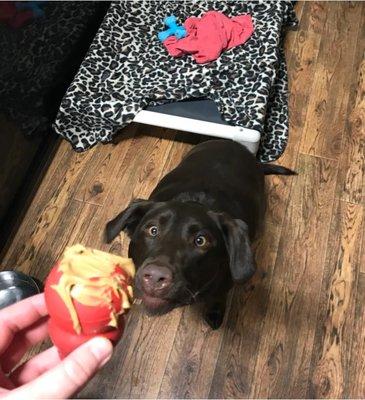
{"x": 128, "y": 69}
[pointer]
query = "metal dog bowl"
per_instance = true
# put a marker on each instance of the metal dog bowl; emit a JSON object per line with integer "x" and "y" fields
{"x": 15, "y": 286}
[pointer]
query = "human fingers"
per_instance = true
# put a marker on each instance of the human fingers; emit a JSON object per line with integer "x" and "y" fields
{"x": 19, "y": 316}
{"x": 35, "y": 367}
{"x": 70, "y": 375}
{"x": 21, "y": 342}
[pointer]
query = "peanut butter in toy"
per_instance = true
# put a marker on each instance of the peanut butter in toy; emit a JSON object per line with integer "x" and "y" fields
{"x": 88, "y": 293}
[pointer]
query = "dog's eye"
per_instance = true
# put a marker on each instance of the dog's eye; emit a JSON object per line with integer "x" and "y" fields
{"x": 200, "y": 241}
{"x": 153, "y": 231}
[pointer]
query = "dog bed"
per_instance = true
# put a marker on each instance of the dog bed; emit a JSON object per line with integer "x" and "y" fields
{"x": 127, "y": 70}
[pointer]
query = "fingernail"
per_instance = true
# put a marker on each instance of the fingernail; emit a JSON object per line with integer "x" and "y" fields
{"x": 102, "y": 349}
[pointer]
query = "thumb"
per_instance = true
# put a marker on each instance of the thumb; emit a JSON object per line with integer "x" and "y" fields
{"x": 70, "y": 375}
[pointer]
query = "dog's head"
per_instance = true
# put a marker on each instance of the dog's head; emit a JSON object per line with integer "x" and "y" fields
{"x": 182, "y": 251}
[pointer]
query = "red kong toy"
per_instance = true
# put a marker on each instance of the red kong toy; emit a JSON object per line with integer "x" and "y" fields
{"x": 88, "y": 294}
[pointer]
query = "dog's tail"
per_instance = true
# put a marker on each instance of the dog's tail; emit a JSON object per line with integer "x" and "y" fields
{"x": 271, "y": 169}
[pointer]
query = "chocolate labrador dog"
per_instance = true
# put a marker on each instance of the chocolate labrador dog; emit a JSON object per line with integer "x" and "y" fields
{"x": 192, "y": 239}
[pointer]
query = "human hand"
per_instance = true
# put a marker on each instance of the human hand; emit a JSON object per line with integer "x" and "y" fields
{"x": 24, "y": 324}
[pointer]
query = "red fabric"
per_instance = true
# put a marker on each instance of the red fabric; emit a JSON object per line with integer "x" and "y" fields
{"x": 209, "y": 35}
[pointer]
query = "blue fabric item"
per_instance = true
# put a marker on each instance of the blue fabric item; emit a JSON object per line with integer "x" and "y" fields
{"x": 173, "y": 29}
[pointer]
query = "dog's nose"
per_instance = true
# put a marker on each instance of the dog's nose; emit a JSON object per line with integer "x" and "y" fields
{"x": 156, "y": 277}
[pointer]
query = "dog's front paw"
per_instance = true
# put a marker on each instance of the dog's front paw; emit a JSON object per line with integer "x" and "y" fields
{"x": 214, "y": 318}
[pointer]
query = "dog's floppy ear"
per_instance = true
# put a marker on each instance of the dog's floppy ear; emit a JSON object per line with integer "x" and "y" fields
{"x": 237, "y": 241}
{"x": 128, "y": 219}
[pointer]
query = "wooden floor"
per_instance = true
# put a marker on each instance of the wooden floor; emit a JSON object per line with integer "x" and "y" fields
{"x": 300, "y": 331}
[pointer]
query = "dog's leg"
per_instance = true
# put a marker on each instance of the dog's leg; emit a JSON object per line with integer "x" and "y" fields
{"x": 214, "y": 311}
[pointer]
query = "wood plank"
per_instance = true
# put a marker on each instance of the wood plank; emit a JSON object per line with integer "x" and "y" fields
{"x": 318, "y": 14}
{"x": 332, "y": 347}
{"x": 43, "y": 249}
{"x": 136, "y": 369}
{"x": 333, "y": 76}
{"x": 351, "y": 178}
{"x": 46, "y": 211}
{"x": 302, "y": 54}
{"x": 287, "y": 334}
{"x": 192, "y": 360}
{"x": 362, "y": 263}
{"x": 95, "y": 185}
{"x": 302, "y": 48}
{"x": 356, "y": 369}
